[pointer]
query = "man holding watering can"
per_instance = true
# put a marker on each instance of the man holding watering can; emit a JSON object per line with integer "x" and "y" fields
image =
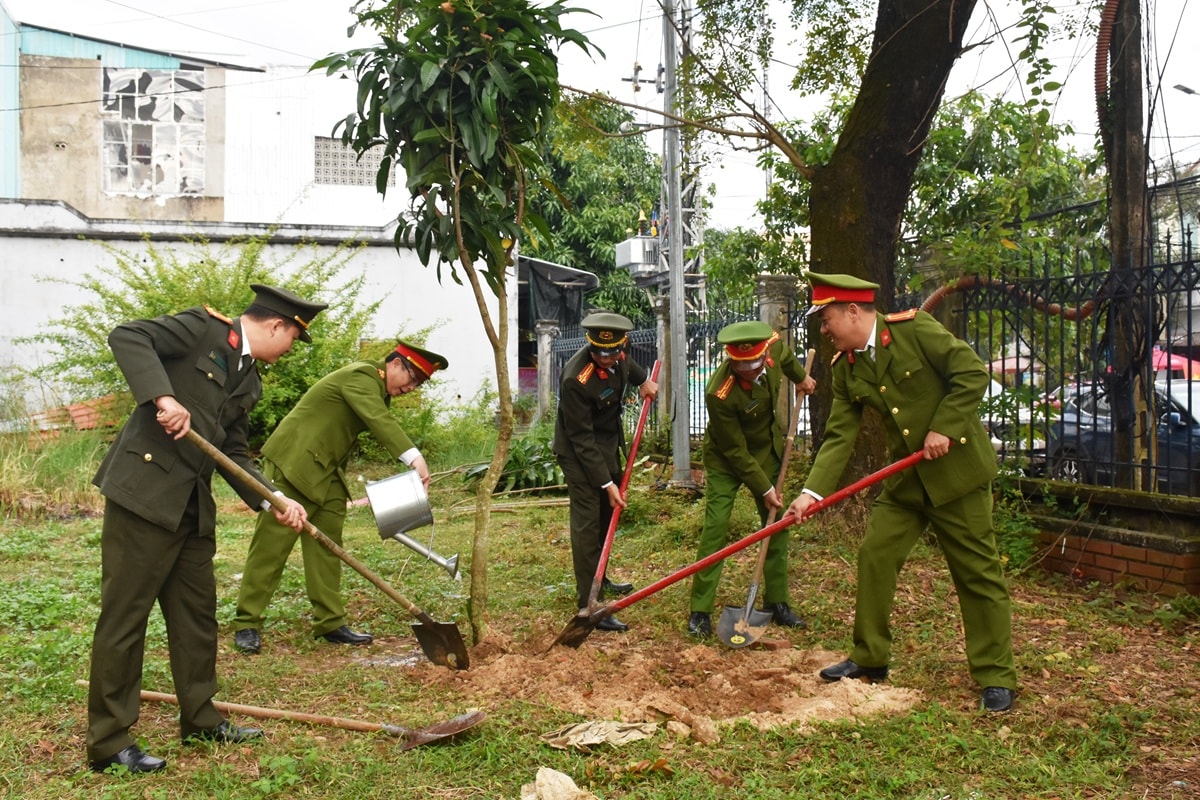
{"x": 306, "y": 457}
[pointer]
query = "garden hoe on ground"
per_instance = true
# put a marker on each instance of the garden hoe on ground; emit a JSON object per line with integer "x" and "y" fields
{"x": 581, "y": 626}
{"x": 412, "y": 737}
{"x": 441, "y": 641}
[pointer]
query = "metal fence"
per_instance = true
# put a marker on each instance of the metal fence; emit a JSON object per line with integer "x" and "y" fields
{"x": 1096, "y": 371}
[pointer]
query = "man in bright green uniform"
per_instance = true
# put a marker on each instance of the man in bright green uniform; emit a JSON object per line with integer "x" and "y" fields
{"x": 588, "y": 440}
{"x": 306, "y": 457}
{"x": 194, "y": 370}
{"x": 743, "y": 444}
{"x": 926, "y": 385}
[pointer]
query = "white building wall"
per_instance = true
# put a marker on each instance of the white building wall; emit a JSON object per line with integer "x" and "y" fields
{"x": 41, "y": 240}
{"x": 271, "y": 121}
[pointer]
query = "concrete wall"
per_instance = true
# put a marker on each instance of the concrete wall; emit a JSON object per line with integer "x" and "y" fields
{"x": 50, "y": 241}
{"x": 61, "y": 144}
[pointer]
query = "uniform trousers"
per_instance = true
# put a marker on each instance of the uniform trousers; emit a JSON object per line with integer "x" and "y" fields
{"x": 273, "y": 543}
{"x": 590, "y": 516}
{"x": 963, "y": 528}
{"x": 720, "y": 492}
{"x": 140, "y": 563}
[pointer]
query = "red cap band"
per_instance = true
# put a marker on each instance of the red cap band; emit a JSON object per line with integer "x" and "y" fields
{"x": 417, "y": 360}
{"x": 747, "y": 351}
{"x": 823, "y": 294}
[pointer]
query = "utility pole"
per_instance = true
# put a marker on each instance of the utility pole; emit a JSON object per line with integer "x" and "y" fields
{"x": 677, "y": 374}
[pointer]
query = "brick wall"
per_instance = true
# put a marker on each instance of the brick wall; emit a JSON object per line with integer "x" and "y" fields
{"x": 1159, "y": 564}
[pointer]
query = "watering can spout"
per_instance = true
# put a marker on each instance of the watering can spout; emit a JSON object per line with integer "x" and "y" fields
{"x": 449, "y": 564}
{"x": 400, "y": 504}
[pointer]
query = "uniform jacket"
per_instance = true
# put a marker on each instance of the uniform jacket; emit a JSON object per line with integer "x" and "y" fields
{"x": 743, "y": 437}
{"x": 924, "y": 379}
{"x": 313, "y": 442}
{"x": 588, "y": 424}
{"x": 194, "y": 356}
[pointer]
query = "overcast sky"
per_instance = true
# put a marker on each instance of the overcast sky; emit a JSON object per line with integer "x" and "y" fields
{"x": 260, "y": 32}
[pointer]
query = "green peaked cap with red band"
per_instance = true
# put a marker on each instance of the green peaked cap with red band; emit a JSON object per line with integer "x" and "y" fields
{"x": 838, "y": 288}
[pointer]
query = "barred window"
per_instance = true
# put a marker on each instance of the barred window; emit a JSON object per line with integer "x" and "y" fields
{"x": 335, "y": 163}
{"x": 153, "y": 131}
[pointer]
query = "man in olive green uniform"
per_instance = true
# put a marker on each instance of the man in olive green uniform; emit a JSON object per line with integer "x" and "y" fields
{"x": 306, "y": 457}
{"x": 743, "y": 444}
{"x": 588, "y": 439}
{"x": 194, "y": 370}
{"x": 926, "y": 385}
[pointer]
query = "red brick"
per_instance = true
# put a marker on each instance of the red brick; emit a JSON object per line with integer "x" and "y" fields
{"x": 1118, "y": 566}
{"x": 1129, "y": 552}
{"x": 1152, "y": 571}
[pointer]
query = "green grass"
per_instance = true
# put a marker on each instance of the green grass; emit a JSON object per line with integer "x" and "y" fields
{"x": 1106, "y": 709}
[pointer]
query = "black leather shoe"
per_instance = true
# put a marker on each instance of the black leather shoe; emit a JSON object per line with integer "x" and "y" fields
{"x": 997, "y": 698}
{"x": 225, "y": 733}
{"x": 700, "y": 624}
{"x": 848, "y": 669}
{"x": 248, "y": 641}
{"x": 611, "y": 623}
{"x": 131, "y": 758}
{"x": 618, "y": 589}
{"x": 344, "y": 635}
{"x": 781, "y": 614}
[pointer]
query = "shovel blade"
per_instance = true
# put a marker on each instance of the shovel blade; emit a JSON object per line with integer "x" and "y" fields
{"x": 440, "y": 730}
{"x": 738, "y": 628}
{"x": 442, "y": 644}
{"x": 575, "y": 632}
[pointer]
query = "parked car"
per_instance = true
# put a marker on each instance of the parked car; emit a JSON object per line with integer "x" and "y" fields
{"x": 1016, "y": 418}
{"x": 1081, "y": 446}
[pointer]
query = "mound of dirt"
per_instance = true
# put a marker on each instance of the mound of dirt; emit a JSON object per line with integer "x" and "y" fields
{"x": 697, "y": 688}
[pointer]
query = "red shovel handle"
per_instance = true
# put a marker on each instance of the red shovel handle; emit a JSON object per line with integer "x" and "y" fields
{"x": 616, "y": 516}
{"x": 759, "y": 535}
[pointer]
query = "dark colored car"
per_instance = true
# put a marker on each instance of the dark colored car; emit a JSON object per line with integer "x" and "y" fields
{"x": 1081, "y": 445}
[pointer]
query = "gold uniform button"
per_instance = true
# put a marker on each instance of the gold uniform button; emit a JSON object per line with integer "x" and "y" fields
{"x": 905, "y": 432}
{"x": 963, "y": 440}
{"x": 210, "y": 376}
{"x": 907, "y": 374}
{"x": 895, "y": 411}
{"x": 882, "y": 389}
{"x": 147, "y": 457}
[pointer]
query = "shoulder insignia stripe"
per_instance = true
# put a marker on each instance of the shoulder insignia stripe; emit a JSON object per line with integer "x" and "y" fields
{"x": 212, "y": 312}
{"x": 723, "y": 392}
{"x": 586, "y": 373}
{"x": 902, "y": 316}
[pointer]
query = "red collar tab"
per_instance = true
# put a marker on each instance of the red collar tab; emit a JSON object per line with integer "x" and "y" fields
{"x": 885, "y": 337}
{"x": 234, "y": 340}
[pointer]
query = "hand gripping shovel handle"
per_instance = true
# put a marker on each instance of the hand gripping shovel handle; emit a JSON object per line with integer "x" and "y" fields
{"x": 602, "y": 564}
{"x": 770, "y": 530}
{"x": 225, "y": 462}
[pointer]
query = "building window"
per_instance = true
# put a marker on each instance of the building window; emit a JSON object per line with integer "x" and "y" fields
{"x": 153, "y": 137}
{"x": 336, "y": 163}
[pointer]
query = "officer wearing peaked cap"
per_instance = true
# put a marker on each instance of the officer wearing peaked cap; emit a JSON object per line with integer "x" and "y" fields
{"x": 588, "y": 440}
{"x": 306, "y": 457}
{"x": 194, "y": 370}
{"x": 743, "y": 445}
{"x": 926, "y": 386}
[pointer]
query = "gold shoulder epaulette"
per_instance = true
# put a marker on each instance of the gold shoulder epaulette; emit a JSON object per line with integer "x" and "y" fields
{"x": 836, "y": 356}
{"x": 723, "y": 392}
{"x": 212, "y": 312}
{"x": 902, "y": 316}
{"x": 586, "y": 373}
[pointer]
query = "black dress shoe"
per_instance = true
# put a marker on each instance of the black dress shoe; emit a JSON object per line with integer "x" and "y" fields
{"x": 997, "y": 698}
{"x": 131, "y": 758}
{"x": 618, "y": 589}
{"x": 344, "y": 635}
{"x": 225, "y": 733}
{"x": 848, "y": 669}
{"x": 700, "y": 624}
{"x": 248, "y": 641}
{"x": 611, "y": 623}
{"x": 781, "y": 614}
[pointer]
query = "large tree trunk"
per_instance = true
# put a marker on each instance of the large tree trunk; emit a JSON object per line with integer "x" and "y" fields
{"x": 858, "y": 198}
